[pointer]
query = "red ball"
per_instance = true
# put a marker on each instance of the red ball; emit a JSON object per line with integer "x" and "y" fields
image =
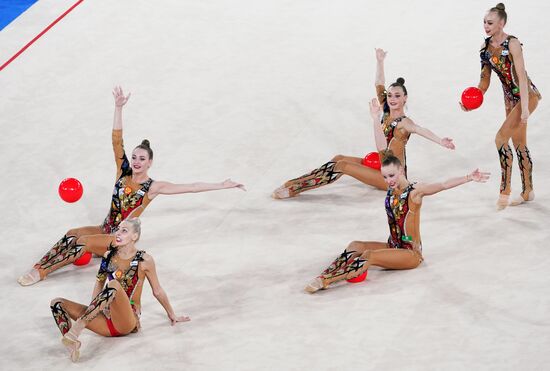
{"x": 70, "y": 190}
{"x": 84, "y": 259}
{"x": 472, "y": 98}
{"x": 372, "y": 160}
{"x": 359, "y": 278}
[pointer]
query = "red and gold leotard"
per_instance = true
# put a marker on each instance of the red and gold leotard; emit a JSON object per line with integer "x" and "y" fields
{"x": 500, "y": 60}
{"x": 403, "y": 220}
{"x": 127, "y": 195}
{"x": 396, "y": 138}
{"x": 129, "y": 278}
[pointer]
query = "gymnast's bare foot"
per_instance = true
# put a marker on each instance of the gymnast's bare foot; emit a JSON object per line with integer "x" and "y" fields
{"x": 522, "y": 198}
{"x": 315, "y": 285}
{"x": 72, "y": 344}
{"x": 503, "y": 202}
{"x": 281, "y": 192}
{"x": 30, "y": 278}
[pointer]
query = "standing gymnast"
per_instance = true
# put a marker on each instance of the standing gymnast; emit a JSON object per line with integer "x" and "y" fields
{"x": 403, "y": 250}
{"x": 116, "y": 305}
{"x": 133, "y": 191}
{"x": 397, "y": 129}
{"x": 502, "y": 53}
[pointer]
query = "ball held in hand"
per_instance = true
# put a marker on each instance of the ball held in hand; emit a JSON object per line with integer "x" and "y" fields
{"x": 472, "y": 98}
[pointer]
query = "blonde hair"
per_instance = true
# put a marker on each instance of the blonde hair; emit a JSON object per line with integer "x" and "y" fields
{"x": 500, "y": 9}
{"x": 136, "y": 225}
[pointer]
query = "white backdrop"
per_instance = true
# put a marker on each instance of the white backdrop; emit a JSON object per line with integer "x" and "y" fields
{"x": 262, "y": 91}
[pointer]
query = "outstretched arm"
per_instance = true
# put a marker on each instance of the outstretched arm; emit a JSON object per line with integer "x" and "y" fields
{"x": 517, "y": 55}
{"x": 422, "y": 190}
{"x": 120, "y": 101}
{"x": 158, "y": 291}
{"x": 411, "y": 127}
{"x": 379, "y": 137}
{"x": 380, "y": 78}
{"x": 167, "y": 188}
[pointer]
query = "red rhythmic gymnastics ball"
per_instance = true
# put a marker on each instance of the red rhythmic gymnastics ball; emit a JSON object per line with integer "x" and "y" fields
{"x": 84, "y": 259}
{"x": 359, "y": 278}
{"x": 70, "y": 190}
{"x": 472, "y": 98}
{"x": 372, "y": 160}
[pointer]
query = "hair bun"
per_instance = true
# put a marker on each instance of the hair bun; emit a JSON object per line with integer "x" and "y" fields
{"x": 386, "y": 153}
{"x": 145, "y": 143}
{"x": 400, "y": 81}
{"x": 500, "y": 6}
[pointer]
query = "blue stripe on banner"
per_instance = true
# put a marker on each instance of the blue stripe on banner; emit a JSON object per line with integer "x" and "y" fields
{"x": 11, "y": 9}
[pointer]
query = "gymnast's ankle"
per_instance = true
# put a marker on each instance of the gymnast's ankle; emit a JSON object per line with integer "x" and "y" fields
{"x": 522, "y": 198}
{"x": 503, "y": 201}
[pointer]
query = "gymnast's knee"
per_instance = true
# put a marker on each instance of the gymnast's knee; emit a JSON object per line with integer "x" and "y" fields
{"x": 72, "y": 232}
{"x": 341, "y": 165}
{"x": 500, "y": 140}
{"x": 357, "y": 246}
{"x": 354, "y": 245}
{"x": 114, "y": 284}
{"x": 57, "y": 300}
{"x": 366, "y": 254}
{"x": 82, "y": 241}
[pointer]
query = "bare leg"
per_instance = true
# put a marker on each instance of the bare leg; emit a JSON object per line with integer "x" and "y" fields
{"x": 329, "y": 173}
{"x": 362, "y": 173}
{"x": 319, "y": 177}
{"x": 519, "y": 139}
{"x": 506, "y": 160}
{"x": 512, "y": 128}
{"x": 385, "y": 258}
{"x": 69, "y": 248}
{"x": 112, "y": 299}
{"x": 374, "y": 254}
{"x": 340, "y": 264}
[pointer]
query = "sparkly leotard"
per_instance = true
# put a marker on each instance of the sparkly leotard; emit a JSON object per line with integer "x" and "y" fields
{"x": 127, "y": 195}
{"x": 396, "y": 139}
{"x": 500, "y": 60}
{"x": 128, "y": 279}
{"x": 403, "y": 220}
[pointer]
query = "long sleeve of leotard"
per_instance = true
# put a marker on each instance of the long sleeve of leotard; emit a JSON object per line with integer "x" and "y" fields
{"x": 381, "y": 94}
{"x": 484, "y": 77}
{"x": 122, "y": 163}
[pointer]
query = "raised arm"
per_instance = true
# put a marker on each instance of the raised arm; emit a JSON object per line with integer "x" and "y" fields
{"x": 411, "y": 127}
{"x": 422, "y": 189}
{"x": 158, "y": 291}
{"x": 379, "y": 137}
{"x": 120, "y": 101}
{"x": 517, "y": 55}
{"x": 380, "y": 78}
{"x": 122, "y": 163}
{"x": 167, "y": 188}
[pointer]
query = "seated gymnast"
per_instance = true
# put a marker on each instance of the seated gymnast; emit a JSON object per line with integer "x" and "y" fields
{"x": 116, "y": 305}
{"x": 403, "y": 250}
